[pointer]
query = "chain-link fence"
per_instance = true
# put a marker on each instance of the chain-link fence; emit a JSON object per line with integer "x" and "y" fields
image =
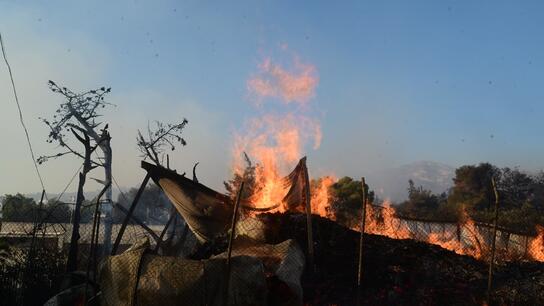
{"x": 465, "y": 236}
{"x": 269, "y": 261}
{"x": 34, "y": 246}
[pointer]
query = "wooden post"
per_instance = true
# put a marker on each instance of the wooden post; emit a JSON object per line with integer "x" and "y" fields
{"x": 129, "y": 214}
{"x": 91, "y": 262}
{"x": 494, "y": 239}
{"x": 458, "y": 231}
{"x": 361, "y": 240}
{"x": 71, "y": 262}
{"x": 231, "y": 239}
{"x": 526, "y": 245}
{"x": 172, "y": 217}
{"x": 95, "y": 232}
{"x": 309, "y": 221}
{"x": 30, "y": 256}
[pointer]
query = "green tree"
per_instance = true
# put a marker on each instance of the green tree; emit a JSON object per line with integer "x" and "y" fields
{"x": 472, "y": 186}
{"x": 18, "y": 208}
{"x": 153, "y": 206}
{"x": 423, "y": 204}
{"x": 346, "y": 196}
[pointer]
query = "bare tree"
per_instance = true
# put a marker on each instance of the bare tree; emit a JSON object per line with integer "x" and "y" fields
{"x": 159, "y": 139}
{"x": 79, "y": 115}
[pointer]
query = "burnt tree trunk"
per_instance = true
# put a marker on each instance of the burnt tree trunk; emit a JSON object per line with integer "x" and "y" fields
{"x": 71, "y": 264}
{"x": 107, "y": 208}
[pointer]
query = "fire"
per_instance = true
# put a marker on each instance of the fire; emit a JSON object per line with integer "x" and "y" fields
{"x": 275, "y": 141}
{"x": 536, "y": 247}
{"x": 290, "y": 85}
{"x": 383, "y": 222}
{"x": 451, "y": 241}
{"x": 320, "y": 197}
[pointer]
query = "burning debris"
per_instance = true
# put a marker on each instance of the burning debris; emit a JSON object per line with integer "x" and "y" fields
{"x": 400, "y": 271}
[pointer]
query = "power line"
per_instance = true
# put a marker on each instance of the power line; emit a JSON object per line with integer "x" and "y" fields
{"x": 21, "y": 115}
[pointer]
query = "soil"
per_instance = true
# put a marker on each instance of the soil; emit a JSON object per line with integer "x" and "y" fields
{"x": 400, "y": 272}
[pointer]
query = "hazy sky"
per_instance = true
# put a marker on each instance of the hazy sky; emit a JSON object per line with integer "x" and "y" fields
{"x": 455, "y": 82}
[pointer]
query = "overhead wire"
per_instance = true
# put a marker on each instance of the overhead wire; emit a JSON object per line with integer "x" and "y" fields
{"x": 21, "y": 115}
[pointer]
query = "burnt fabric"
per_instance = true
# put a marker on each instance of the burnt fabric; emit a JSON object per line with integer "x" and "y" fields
{"x": 285, "y": 261}
{"x": 207, "y": 212}
{"x": 137, "y": 278}
{"x": 296, "y": 185}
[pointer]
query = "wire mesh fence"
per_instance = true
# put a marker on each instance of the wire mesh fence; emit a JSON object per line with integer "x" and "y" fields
{"x": 465, "y": 236}
{"x": 266, "y": 265}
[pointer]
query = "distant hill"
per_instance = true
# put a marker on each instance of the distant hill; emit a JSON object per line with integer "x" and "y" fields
{"x": 393, "y": 183}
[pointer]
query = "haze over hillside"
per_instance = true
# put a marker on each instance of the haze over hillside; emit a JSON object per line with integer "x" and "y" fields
{"x": 392, "y": 183}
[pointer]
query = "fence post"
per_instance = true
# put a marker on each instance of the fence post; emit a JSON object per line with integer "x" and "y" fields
{"x": 458, "y": 230}
{"x": 165, "y": 229}
{"x": 361, "y": 240}
{"x": 129, "y": 214}
{"x": 91, "y": 262}
{"x": 30, "y": 254}
{"x": 494, "y": 240}
{"x": 231, "y": 239}
{"x": 526, "y": 245}
{"x": 309, "y": 221}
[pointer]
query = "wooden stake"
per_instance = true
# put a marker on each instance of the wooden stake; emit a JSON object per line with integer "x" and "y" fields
{"x": 231, "y": 239}
{"x": 172, "y": 217}
{"x": 91, "y": 262}
{"x": 309, "y": 221}
{"x": 361, "y": 240}
{"x": 494, "y": 239}
{"x": 129, "y": 214}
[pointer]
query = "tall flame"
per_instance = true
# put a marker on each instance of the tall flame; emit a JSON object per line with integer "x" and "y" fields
{"x": 320, "y": 197}
{"x": 276, "y": 141}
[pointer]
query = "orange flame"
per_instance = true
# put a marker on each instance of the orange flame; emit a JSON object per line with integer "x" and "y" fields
{"x": 275, "y": 142}
{"x": 536, "y": 247}
{"x": 320, "y": 197}
{"x": 297, "y": 85}
{"x": 451, "y": 241}
{"x": 383, "y": 222}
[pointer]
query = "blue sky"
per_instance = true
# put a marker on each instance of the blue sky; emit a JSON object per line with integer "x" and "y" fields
{"x": 452, "y": 81}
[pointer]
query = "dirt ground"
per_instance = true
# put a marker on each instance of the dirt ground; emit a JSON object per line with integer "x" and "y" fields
{"x": 400, "y": 272}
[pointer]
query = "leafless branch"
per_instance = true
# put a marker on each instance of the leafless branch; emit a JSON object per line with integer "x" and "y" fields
{"x": 159, "y": 139}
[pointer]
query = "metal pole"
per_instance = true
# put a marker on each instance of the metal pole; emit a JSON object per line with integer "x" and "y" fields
{"x": 231, "y": 239}
{"x": 494, "y": 239}
{"x": 309, "y": 221}
{"x": 361, "y": 240}
{"x": 129, "y": 214}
